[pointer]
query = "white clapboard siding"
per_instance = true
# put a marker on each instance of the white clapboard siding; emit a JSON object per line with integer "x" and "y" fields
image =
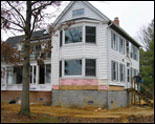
{"x": 88, "y": 13}
{"x": 118, "y": 57}
{"x": 82, "y": 50}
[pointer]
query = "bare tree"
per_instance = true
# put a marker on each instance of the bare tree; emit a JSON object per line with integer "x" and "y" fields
{"x": 25, "y": 16}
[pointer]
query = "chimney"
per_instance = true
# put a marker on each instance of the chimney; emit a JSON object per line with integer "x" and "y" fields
{"x": 116, "y": 21}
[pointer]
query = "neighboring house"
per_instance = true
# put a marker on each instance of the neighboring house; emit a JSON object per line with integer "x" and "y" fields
{"x": 92, "y": 62}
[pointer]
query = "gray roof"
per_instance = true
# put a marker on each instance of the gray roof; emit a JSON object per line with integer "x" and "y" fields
{"x": 124, "y": 34}
{"x": 37, "y": 35}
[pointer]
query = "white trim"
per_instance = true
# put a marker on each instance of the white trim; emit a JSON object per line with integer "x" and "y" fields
{"x": 86, "y": 3}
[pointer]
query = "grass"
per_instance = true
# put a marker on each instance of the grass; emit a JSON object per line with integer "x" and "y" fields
{"x": 50, "y": 114}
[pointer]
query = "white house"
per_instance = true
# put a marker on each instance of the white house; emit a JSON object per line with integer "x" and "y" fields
{"x": 92, "y": 62}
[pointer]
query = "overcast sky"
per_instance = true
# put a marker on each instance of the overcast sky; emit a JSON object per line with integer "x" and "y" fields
{"x": 133, "y": 15}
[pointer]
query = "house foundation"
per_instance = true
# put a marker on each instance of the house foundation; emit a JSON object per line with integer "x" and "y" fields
{"x": 82, "y": 98}
{"x": 35, "y": 96}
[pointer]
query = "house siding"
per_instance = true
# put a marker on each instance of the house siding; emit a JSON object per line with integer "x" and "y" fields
{"x": 82, "y": 51}
{"x": 118, "y": 57}
{"x": 88, "y": 13}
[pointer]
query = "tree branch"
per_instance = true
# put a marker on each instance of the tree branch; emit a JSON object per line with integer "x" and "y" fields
{"x": 22, "y": 18}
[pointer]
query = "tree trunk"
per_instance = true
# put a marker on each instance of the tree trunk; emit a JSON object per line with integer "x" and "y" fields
{"x": 25, "y": 105}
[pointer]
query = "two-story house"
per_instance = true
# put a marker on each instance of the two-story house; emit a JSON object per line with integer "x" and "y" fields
{"x": 92, "y": 62}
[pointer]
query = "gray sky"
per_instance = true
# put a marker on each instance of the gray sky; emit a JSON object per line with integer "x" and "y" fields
{"x": 133, "y": 15}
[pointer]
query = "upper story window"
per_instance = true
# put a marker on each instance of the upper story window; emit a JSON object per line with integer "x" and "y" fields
{"x": 73, "y": 35}
{"x": 121, "y": 46}
{"x": 78, "y": 12}
{"x": 114, "y": 41}
{"x": 133, "y": 52}
{"x": 90, "y": 34}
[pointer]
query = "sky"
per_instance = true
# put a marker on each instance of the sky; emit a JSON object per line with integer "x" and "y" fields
{"x": 133, "y": 15}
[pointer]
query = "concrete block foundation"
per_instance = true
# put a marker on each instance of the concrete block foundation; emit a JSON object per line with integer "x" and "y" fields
{"x": 81, "y": 98}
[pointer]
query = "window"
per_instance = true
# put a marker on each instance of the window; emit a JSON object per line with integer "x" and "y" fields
{"x": 135, "y": 72}
{"x": 32, "y": 74}
{"x": 61, "y": 37}
{"x": 60, "y": 69}
{"x": 133, "y": 52}
{"x": 90, "y": 67}
{"x": 42, "y": 74}
{"x": 10, "y": 75}
{"x": 48, "y": 73}
{"x": 45, "y": 74}
{"x": 90, "y": 34}
{"x": 127, "y": 48}
{"x": 122, "y": 73}
{"x": 114, "y": 41}
{"x": 73, "y": 35}
{"x": 121, "y": 46}
{"x": 18, "y": 71}
{"x": 77, "y": 12}
{"x": 128, "y": 75}
{"x": 114, "y": 71}
{"x": 36, "y": 49}
{"x": 73, "y": 67}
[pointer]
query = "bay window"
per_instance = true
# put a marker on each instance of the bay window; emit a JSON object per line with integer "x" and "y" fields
{"x": 90, "y": 67}
{"x": 73, "y": 67}
{"x": 73, "y": 35}
{"x": 90, "y": 34}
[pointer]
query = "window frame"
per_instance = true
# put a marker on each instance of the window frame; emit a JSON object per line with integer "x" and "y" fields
{"x": 72, "y": 75}
{"x": 64, "y": 36}
{"x": 88, "y": 26}
{"x": 123, "y": 72}
{"x": 94, "y": 69}
{"x": 116, "y": 71}
{"x": 114, "y": 41}
{"x": 76, "y": 13}
{"x": 121, "y": 48}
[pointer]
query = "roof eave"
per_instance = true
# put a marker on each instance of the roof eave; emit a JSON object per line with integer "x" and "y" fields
{"x": 123, "y": 33}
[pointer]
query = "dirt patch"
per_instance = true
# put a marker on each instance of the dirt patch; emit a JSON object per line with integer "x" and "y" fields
{"x": 49, "y": 114}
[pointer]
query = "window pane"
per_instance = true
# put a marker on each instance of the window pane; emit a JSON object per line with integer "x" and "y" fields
{"x": 10, "y": 75}
{"x": 60, "y": 69}
{"x": 18, "y": 72}
{"x": 73, "y": 35}
{"x": 48, "y": 73}
{"x": 91, "y": 34}
{"x": 114, "y": 71}
{"x": 114, "y": 41}
{"x": 34, "y": 77}
{"x": 61, "y": 38}
{"x": 78, "y": 12}
{"x": 73, "y": 67}
{"x": 90, "y": 67}
{"x": 30, "y": 74}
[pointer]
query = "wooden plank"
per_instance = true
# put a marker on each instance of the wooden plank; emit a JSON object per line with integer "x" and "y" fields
{"x": 116, "y": 88}
{"x": 77, "y": 87}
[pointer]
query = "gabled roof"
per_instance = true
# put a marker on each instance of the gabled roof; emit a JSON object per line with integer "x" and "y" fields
{"x": 35, "y": 36}
{"x": 84, "y": 2}
{"x": 113, "y": 26}
{"x": 123, "y": 33}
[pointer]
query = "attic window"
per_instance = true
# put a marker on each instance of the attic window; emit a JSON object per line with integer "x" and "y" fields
{"x": 77, "y": 12}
